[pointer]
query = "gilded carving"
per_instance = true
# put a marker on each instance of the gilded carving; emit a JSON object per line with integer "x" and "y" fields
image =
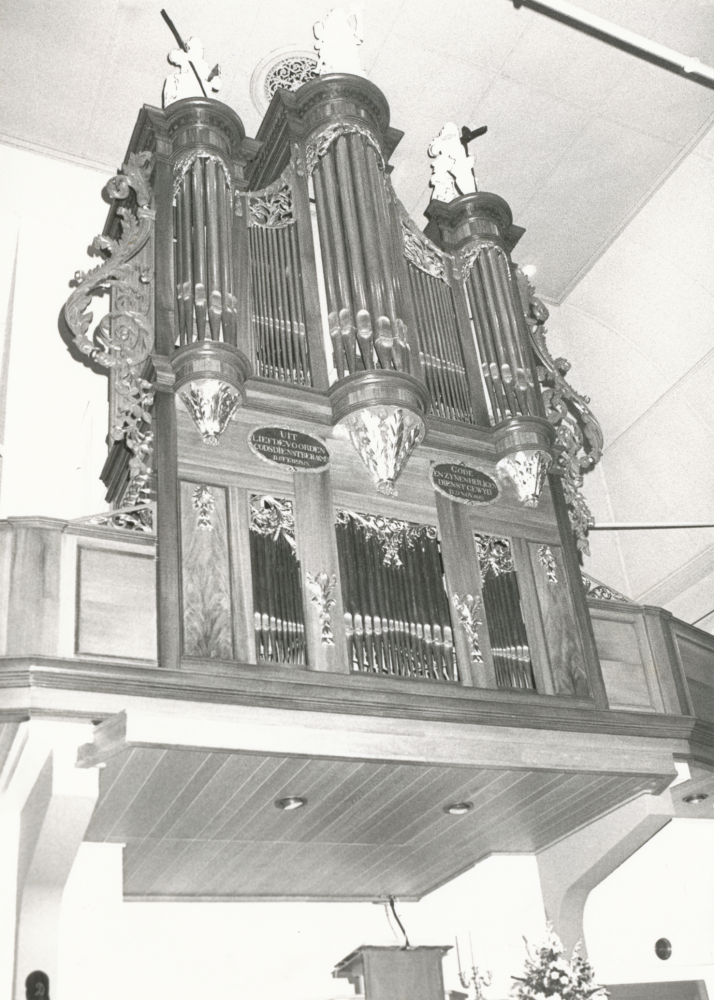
{"x": 185, "y": 162}
{"x": 593, "y": 588}
{"x": 204, "y": 504}
{"x": 527, "y": 471}
{"x": 322, "y": 588}
{"x": 468, "y": 608}
{"x": 547, "y": 560}
{"x": 390, "y": 532}
{"x": 494, "y": 555}
{"x": 211, "y": 404}
{"x": 320, "y": 143}
{"x": 135, "y": 518}
{"x": 579, "y": 440}
{"x": 272, "y": 208}
{"x": 384, "y": 438}
{"x": 422, "y": 253}
{"x": 124, "y": 338}
{"x": 273, "y": 518}
{"x": 470, "y": 253}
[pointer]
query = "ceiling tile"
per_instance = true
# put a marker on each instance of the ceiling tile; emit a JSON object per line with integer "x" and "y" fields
{"x": 605, "y": 173}
{"x": 558, "y": 59}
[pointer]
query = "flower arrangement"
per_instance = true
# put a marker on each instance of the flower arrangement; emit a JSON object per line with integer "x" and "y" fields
{"x": 549, "y": 975}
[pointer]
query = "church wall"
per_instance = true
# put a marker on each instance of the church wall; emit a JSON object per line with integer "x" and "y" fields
{"x": 639, "y": 332}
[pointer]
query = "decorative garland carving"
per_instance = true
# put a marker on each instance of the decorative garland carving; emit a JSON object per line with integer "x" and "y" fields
{"x": 320, "y": 143}
{"x": 422, "y": 253}
{"x": 470, "y": 253}
{"x": 273, "y": 207}
{"x": 494, "y": 555}
{"x": 124, "y": 338}
{"x": 185, "y": 162}
{"x": 273, "y": 518}
{"x": 547, "y": 559}
{"x": 204, "y": 503}
{"x": 323, "y": 587}
{"x": 468, "y": 609}
{"x": 390, "y": 532}
{"x": 593, "y": 588}
{"x": 578, "y": 440}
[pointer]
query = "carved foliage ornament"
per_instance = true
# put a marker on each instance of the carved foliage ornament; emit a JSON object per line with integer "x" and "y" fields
{"x": 322, "y": 588}
{"x": 124, "y": 338}
{"x": 271, "y": 208}
{"x": 422, "y": 253}
{"x": 390, "y": 532}
{"x": 579, "y": 440}
{"x": 136, "y": 518}
{"x": 211, "y": 404}
{"x": 205, "y": 504}
{"x": 273, "y": 518}
{"x": 593, "y": 588}
{"x": 468, "y": 608}
{"x": 290, "y": 73}
{"x": 384, "y": 438}
{"x": 471, "y": 253}
{"x": 185, "y": 162}
{"x": 547, "y": 560}
{"x": 494, "y": 555}
{"x": 320, "y": 143}
{"x": 527, "y": 471}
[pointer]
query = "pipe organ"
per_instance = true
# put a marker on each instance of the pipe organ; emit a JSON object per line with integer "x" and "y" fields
{"x": 348, "y": 434}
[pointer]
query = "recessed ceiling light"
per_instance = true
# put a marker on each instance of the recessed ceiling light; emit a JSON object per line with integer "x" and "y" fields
{"x": 459, "y": 808}
{"x": 291, "y": 802}
{"x": 695, "y": 798}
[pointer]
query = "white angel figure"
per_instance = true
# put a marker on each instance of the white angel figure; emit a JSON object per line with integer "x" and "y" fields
{"x": 338, "y": 36}
{"x": 183, "y": 82}
{"x": 452, "y": 169}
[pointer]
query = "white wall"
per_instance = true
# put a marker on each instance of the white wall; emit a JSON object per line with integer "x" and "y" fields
{"x": 54, "y": 410}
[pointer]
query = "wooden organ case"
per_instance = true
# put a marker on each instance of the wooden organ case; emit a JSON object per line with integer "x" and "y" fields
{"x": 359, "y": 452}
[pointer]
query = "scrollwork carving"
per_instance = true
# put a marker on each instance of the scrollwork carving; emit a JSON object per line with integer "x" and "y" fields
{"x": 322, "y": 588}
{"x": 273, "y": 518}
{"x": 579, "y": 440}
{"x": 390, "y": 532}
{"x": 423, "y": 254}
{"x": 468, "y": 608}
{"x": 494, "y": 555}
{"x": 124, "y": 338}
{"x": 290, "y": 73}
{"x": 138, "y": 518}
{"x": 597, "y": 590}
{"x": 272, "y": 208}
{"x": 320, "y": 143}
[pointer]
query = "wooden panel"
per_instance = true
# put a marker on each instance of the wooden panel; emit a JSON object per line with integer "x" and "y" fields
{"x": 622, "y": 663}
{"x": 33, "y": 610}
{"x": 698, "y": 663}
{"x": 562, "y": 636}
{"x": 207, "y": 618}
{"x": 204, "y": 825}
{"x": 116, "y": 604}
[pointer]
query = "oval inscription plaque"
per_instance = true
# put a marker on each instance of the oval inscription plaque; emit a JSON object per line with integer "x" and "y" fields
{"x": 464, "y": 483}
{"x": 283, "y": 446}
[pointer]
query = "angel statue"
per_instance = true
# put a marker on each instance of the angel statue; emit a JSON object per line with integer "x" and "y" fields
{"x": 192, "y": 67}
{"x": 452, "y": 172}
{"x": 338, "y": 36}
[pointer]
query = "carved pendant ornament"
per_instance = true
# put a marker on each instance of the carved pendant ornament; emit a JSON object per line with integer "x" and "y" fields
{"x": 211, "y": 404}
{"x": 468, "y": 608}
{"x": 579, "y": 440}
{"x": 204, "y": 503}
{"x": 322, "y": 587}
{"x": 384, "y": 437}
{"x": 527, "y": 471}
{"x": 124, "y": 338}
{"x": 547, "y": 560}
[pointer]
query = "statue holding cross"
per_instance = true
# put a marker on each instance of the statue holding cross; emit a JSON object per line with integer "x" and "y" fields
{"x": 453, "y": 169}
